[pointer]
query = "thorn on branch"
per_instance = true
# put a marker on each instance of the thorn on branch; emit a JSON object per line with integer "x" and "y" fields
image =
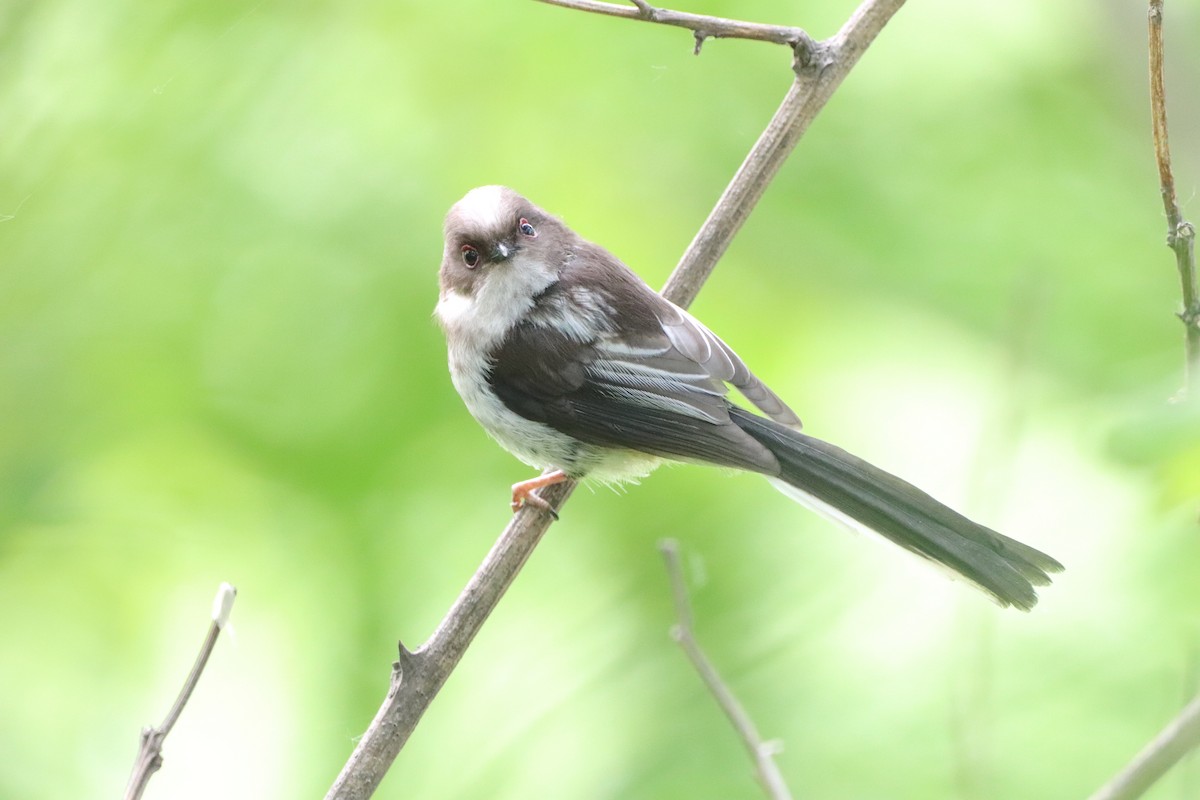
{"x": 702, "y": 26}
{"x": 402, "y": 665}
{"x": 403, "y": 668}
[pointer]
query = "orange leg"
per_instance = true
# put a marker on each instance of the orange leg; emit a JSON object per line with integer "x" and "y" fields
{"x": 522, "y": 493}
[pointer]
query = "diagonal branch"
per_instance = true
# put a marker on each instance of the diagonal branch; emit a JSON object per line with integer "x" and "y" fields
{"x": 418, "y": 676}
{"x": 1181, "y": 234}
{"x": 1180, "y": 737}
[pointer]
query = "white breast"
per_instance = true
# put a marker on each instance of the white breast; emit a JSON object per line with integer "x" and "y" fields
{"x": 475, "y": 326}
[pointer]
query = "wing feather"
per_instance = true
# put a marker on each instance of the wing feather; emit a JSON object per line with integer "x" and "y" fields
{"x": 697, "y": 342}
{"x": 655, "y": 380}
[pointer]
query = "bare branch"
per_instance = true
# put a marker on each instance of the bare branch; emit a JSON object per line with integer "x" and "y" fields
{"x": 815, "y": 82}
{"x": 1174, "y": 742}
{"x": 701, "y": 25}
{"x": 418, "y": 676}
{"x": 149, "y": 758}
{"x": 761, "y": 753}
{"x": 1181, "y": 234}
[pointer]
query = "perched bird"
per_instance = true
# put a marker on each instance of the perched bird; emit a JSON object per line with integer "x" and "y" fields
{"x": 573, "y": 363}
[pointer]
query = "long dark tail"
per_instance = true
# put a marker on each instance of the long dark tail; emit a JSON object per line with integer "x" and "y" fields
{"x": 833, "y": 481}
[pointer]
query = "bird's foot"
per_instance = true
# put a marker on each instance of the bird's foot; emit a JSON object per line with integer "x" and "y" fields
{"x": 523, "y": 492}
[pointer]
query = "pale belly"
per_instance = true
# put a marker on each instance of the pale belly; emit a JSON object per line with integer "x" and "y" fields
{"x": 540, "y": 445}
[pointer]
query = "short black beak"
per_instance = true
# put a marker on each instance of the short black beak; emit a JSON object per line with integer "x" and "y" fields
{"x": 501, "y": 251}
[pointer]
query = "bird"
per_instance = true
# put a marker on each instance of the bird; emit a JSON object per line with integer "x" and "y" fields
{"x": 576, "y": 366}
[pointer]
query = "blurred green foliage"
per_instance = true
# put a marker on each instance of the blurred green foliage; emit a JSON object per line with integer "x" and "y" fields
{"x": 217, "y": 362}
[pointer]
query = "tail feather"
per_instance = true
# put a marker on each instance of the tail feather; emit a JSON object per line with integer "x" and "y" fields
{"x": 835, "y": 482}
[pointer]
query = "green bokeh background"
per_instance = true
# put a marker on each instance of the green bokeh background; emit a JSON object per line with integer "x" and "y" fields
{"x": 221, "y": 228}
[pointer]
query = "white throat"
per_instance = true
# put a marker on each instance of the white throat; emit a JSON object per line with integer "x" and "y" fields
{"x": 502, "y": 298}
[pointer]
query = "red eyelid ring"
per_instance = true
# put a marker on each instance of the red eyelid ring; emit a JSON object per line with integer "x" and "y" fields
{"x": 521, "y": 227}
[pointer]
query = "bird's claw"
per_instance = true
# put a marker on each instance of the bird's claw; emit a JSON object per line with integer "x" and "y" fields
{"x": 528, "y": 498}
{"x": 523, "y": 492}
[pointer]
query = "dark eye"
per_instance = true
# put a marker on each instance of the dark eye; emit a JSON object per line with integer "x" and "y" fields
{"x": 526, "y": 229}
{"x": 470, "y": 256}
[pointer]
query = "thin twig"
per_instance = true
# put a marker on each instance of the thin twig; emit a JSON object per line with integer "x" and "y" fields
{"x": 761, "y": 753}
{"x": 702, "y": 26}
{"x": 149, "y": 758}
{"x": 418, "y": 675}
{"x": 1181, "y": 234}
{"x": 1173, "y": 743}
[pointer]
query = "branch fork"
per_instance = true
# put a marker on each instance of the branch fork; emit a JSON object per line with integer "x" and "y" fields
{"x": 149, "y": 758}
